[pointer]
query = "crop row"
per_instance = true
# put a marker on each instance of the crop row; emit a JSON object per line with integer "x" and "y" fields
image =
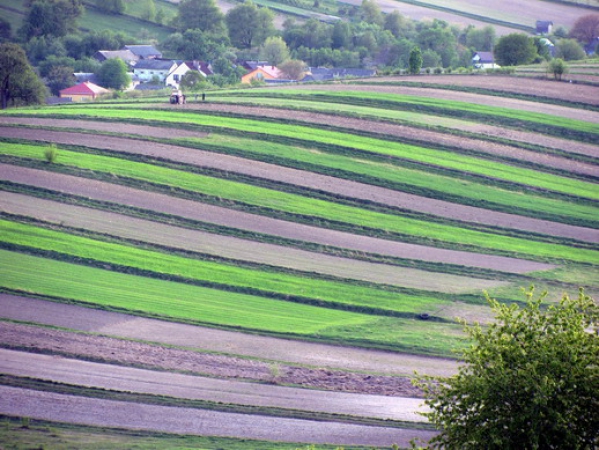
{"x": 266, "y": 283}
{"x": 356, "y": 218}
{"x": 429, "y": 157}
{"x": 106, "y": 289}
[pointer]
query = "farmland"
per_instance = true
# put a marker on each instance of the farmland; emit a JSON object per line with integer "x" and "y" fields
{"x": 358, "y": 218}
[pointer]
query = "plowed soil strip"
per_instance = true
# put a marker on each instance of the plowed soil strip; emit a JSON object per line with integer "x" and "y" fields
{"x": 310, "y": 180}
{"x": 235, "y": 219}
{"x": 234, "y": 248}
{"x": 116, "y": 414}
{"x": 435, "y": 138}
{"x": 127, "y": 379}
{"x": 543, "y": 88}
{"x": 111, "y": 350}
{"x": 477, "y": 99}
{"x": 221, "y": 341}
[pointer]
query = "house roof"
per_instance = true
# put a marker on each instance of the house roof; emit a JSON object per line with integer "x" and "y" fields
{"x": 155, "y": 64}
{"x": 273, "y": 71}
{"x": 543, "y": 25}
{"x": 125, "y": 55}
{"x": 144, "y": 51}
{"x": 85, "y": 88}
{"x": 202, "y": 66}
{"x": 484, "y": 57}
{"x": 253, "y": 65}
{"x": 324, "y": 73}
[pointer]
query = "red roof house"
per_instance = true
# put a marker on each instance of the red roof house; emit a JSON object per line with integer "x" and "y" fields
{"x": 83, "y": 92}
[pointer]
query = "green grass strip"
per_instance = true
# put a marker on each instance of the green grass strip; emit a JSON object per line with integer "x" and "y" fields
{"x": 24, "y": 274}
{"x": 448, "y": 160}
{"x": 396, "y": 177}
{"x": 212, "y": 272}
{"x": 164, "y": 298}
{"x": 304, "y": 206}
{"x": 451, "y": 107}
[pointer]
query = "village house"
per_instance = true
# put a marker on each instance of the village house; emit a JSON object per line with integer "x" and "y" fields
{"x": 127, "y": 56}
{"x": 544, "y": 27}
{"x": 150, "y": 69}
{"x": 262, "y": 73}
{"x": 484, "y": 60}
{"x": 144, "y": 51}
{"x": 83, "y": 92}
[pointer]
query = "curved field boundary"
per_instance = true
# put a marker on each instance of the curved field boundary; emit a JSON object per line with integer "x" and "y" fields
{"x": 192, "y": 210}
{"x": 203, "y": 339}
{"x": 421, "y": 129}
{"x": 325, "y": 214}
{"x": 381, "y": 173}
{"x": 232, "y": 248}
{"x": 118, "y": 414}
{"x": 313, "y": 181}
{"x": 478, "y": 105}
{"x": 476, "y": 168}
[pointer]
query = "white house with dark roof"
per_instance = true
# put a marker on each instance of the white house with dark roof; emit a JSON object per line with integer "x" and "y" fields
{"x": 148, "y": 69}
{"x": 544, "y": 27}
{"x": 128, "y": 56}
{"x": 484, "y": 60}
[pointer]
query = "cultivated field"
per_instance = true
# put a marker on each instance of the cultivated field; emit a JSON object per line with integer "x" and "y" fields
{"x": 322, "y": 236}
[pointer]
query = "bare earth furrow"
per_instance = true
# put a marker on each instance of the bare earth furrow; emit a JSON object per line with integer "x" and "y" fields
{"x": 117, "y": 414}
{"x": 260, "y": 224}
{"x": 310, "y": 180}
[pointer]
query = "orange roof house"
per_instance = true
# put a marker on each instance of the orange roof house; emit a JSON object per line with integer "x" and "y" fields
{"x": 83, "y": 92}
{"x": 262, "y": 73}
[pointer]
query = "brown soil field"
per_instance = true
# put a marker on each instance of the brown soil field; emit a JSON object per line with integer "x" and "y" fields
{"x": 530, "y": 86}
{"x": 310, "y": 180}
{"x": 289, "y": 355}
{"x": 500, "y": 102}
{"x": 261, "y": 224}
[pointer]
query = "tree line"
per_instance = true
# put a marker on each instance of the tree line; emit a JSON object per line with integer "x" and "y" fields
{"x": 363, "y": 38}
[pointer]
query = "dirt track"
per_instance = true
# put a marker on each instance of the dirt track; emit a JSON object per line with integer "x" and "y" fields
{"x": 307, "y": 179}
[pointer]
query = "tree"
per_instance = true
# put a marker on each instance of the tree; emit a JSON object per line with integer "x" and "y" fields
{"x": 557, "y": 67}
{"x": 113, "y": 74}
{"x": 398, "y": 25}
{"x": 586, "y": 28}
{"x": 515, "y": 49}
{"x": 274, "y": 51}
{"x": 481, "y": 40}
{"x": 370, "y": 12}
{"x": 530, "y": 380}
{"x": 569, "y": 50}
{"x": 111, "y": 6}
{"x": 200, "y": 14}
{"x": 18, "y": 82}
{"x": 249, "y": 25}
{"x": 149, "y": 10}
{"x": 51, "y": 18}
{"x": 415, "y": 61}
{"x": 59, "y": 78}
{"x": 193, "y": 81}
{"x": 196, "y": 45}
{"x": 293, "y": 69}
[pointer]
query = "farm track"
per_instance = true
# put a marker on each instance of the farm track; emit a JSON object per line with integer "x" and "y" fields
{"x": 143, "y": 341}
{"x": 260, "y": 224}
{"x": 527, "y": 86}
{"x": 310, "y": 180}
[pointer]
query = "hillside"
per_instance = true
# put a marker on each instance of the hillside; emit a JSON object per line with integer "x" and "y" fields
{"x": 324, "y": 236}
